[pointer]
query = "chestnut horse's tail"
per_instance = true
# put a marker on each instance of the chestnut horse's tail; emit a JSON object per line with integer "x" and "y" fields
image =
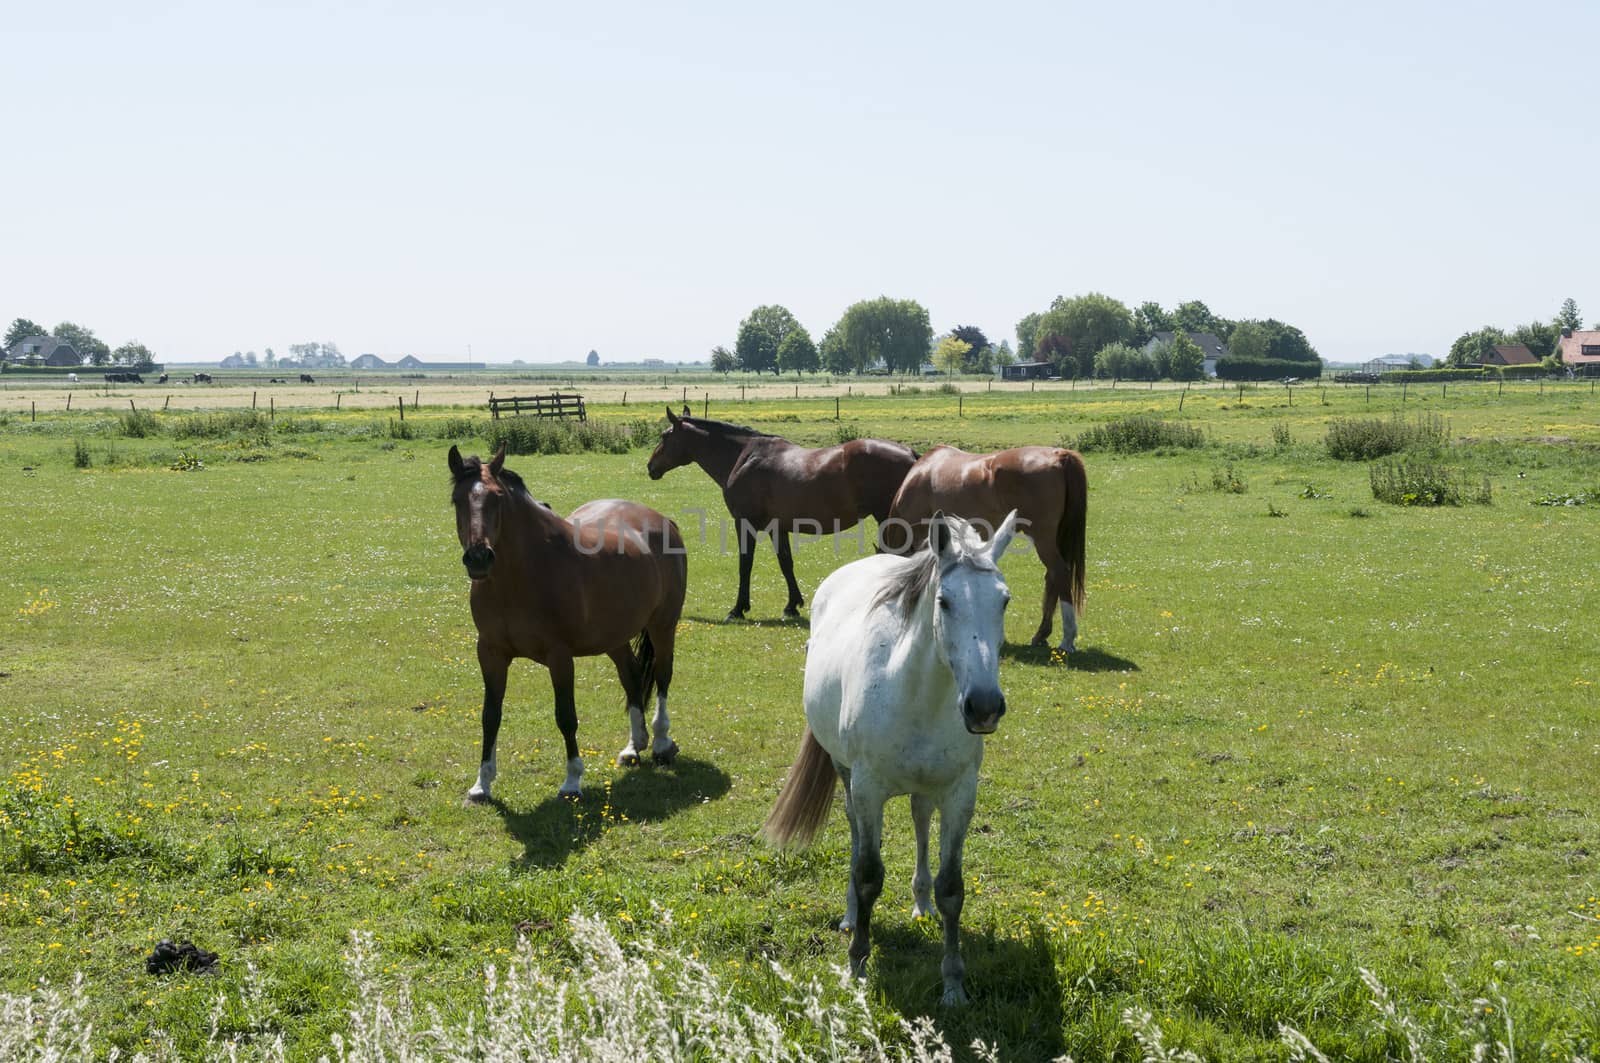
{"x": 1074, "y": 523}
{"x": 802, "y": 805}
{"x": 644, "y": 665}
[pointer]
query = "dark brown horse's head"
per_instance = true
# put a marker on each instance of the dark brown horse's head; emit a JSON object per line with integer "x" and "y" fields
{"x": 674, "y": 450}
{"x": 479, "y": 496}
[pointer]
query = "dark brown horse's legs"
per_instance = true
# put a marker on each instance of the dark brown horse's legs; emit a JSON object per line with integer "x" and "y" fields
{"x": 747, "y": 557}
{"x": 786, "y": 564}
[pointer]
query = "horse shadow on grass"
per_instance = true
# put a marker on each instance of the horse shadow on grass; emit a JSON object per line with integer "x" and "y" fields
{"x": 801, "y": 622}
{"x": 1086, "y": 659}
{"x": 1016, "y": 993}
{"x": 556, "y": 828}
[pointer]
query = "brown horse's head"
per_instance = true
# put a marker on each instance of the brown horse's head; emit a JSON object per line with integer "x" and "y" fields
{"x": 674, "y": 449}
{"x": 479, "y": 496}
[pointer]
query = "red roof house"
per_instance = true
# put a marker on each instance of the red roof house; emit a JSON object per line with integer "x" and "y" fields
{"x": 1580, "y": 348}
{"x": 1511, "y": 354}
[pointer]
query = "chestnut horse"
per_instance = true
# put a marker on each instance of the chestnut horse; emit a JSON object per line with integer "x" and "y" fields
{"x": 551, "y": 589}
{"x": 774, "y": 486}
{"x": 1047, "y": 487}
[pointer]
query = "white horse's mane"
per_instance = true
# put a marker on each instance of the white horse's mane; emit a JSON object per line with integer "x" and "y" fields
{"x": 907, "y": 584}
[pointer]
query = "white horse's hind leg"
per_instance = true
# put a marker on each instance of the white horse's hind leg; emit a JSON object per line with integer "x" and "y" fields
{"x": 573, "y": 786}
{"x": 637, "y": 739}
{"x": 849, "y": 920}
{"x": 1069, "y": 627}
{"x": 663, "y": 748}
{"x": 922, "y": 879}
{"x": 866, "y": 869}
{"x": 480, "y": 789}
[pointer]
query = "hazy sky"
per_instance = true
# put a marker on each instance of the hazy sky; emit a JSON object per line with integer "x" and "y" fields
{"x": 538, "y": 180}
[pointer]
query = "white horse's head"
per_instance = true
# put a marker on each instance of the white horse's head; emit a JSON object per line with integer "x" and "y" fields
{"x": 969, "y": 613}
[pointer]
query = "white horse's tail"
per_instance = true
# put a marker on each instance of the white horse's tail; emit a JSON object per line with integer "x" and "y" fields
{"x": 802, "y": 805}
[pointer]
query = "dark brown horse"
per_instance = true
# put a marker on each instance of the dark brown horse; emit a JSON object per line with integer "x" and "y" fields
{"x": 1047, "y": 487}
{"x": 551, "y": 590}
{"x": 774, "y": 486}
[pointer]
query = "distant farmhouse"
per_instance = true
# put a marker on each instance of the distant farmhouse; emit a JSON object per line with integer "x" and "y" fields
{"x": 1027, "y": 371}
{"x": 409, "y": 362}
{"x": 1390, "y": 362}
{"x": 1580, "y": 351}
{"x": 1210, "y": 346}
{"x": 1511, "y": 354}
{"x": 43, "y": 350}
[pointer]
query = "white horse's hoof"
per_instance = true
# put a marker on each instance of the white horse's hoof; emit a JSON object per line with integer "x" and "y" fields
{"x": 847, "y": 924}
{"x": 922, "y": 910}
{"x": 475, "y": 797}
{"x": 628, "y": 758}
{"x": 955, "y": 997}
{"x": 666, "y": 754}
{"x": 569, "y": 795}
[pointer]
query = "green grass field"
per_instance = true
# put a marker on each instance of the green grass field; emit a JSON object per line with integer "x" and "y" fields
{"x": 1308, "y": 733}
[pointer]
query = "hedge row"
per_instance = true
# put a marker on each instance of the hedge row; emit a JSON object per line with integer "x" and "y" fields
{"x": 1266, "y": 369}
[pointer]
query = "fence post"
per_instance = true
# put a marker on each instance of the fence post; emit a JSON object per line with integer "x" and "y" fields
{"x": 401, "y": 399}
{"x": 272, "y": 408}
{"x": 797, "y": 391}
{"x": 338, "y": 397}
{"x": 164, "y": 405}
{"x": 416, "y": 399}
{"x": 1290, "y": 390}
{"x": 705, "y": 405}
{"x": 132, "y": 407}
{"x": 960, "y": 399}
{"x": 33, "y": 410}
{"x": 1502, "y": 389}
{"x": 1182, "y": 397}
{"x": 836, "y": 407}
{"x": 1369, "y": 394}
{"x": 252, "y": 400}
{"x": 69, "y": 400}
{"x": 624, "y": 398}
{"x": 1444, "y": 389}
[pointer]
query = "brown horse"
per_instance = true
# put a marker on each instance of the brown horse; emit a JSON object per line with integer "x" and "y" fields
{"x": 551, "y": 590}
{"x": 771, "y": 485}
{"x": 1047, "y": 487}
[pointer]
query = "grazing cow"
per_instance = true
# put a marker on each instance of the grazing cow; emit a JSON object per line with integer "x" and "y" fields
{"x": 305, "y": 378}
{"x": 202, "y": 378}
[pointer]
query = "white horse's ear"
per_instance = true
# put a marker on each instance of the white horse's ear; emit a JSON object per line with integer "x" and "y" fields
{"x": 1003, "y": 536}
{"x": 496, "y": 462}
{"x": 455, "y": 461}
{"x": 939, "y": 534}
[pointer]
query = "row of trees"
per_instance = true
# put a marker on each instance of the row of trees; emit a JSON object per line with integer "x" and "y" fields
{"x": 91, "y": 348}
{"x": 893, "y": 333}
{"x": 1540, "y": 337}
{"x": 300, "y": 356}
{"x": 1096, "y": 335}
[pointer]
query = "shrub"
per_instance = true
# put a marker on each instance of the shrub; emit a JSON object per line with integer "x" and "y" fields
{"x": 80, "y": 455}
{"x": 458, "y": 428}
{"x": 1365, "y": 438}
{"x": 1280, "y": 434}
{"x": 845, "y": 431}
{"x": 1227, "y": 480}
{"x": 139, "y": 424}
{"x": 1266, "y": 369}
{"x": 1424, "y": 484}
{"x": 1131, "y": 434}
{"x": 399, "y": 429}
{"x": 532, "y": 435}
{"x": 251, "y": 425}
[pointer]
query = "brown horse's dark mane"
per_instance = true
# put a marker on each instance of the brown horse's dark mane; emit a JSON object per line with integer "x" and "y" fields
{"x": 721, "y": 428}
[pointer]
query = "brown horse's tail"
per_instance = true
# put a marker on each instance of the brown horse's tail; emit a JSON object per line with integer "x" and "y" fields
{"x": 644, "y": 665}
{"x": 1074, "y": 523}
{"x": 802, "y": 805}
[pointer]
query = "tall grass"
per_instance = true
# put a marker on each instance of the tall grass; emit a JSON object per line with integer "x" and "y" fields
{"x": 249, "y": 424}
{"x": 1138, "y": 433}
{"x": 1366, "y": 438}
{"x": 1425, "y": 484}
{"x": 534, "y": 435}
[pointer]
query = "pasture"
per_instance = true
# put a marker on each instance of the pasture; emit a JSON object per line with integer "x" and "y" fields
{"x": 1306, "y": 733}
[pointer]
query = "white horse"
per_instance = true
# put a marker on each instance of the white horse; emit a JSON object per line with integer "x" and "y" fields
{"x": 902, "y": 683}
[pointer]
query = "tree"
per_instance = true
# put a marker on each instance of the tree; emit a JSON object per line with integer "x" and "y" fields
{"x": 977, "y": 343}
{"x": 1188, "y": 360}
{"x": 1539, "y": 337}
{"x": 21, "y": 329}
{"x": 1195, "y": 316}
{"x": 950, "y": 353}
{"x": 1250, "y": 340}
{"x": 893, "y": 330}
{"x": 592, "y": 360}
{"x": 1003, "y": 354}
{"x": 834, "y": 354}
{"x": 1256, "y": 340}
{"x": 1474, "y": 348}
{"x": 1090, "y": 322}
{"x": 1027, "y": 338}
{"x": 1160, "y": 355}
{"x": 84, "y": 341}
{"x": 1149, "y": 319}
{"x": 722, "y": 360}
{"x": 797, "y": 353}
{"x": 133, "y": 354}
{"x": 1118, "y": 361}
{"x": 1568, "y": 317}
{"x": 1057, "y": 350}
{"x": 269, "y": 359}
{"x": 331, "y": 358}
{"x": 760, "y": 336}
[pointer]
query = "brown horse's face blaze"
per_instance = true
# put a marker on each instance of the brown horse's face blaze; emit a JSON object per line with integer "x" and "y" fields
{"x": 478, "y": 502}
{"x": 673, "y": 450}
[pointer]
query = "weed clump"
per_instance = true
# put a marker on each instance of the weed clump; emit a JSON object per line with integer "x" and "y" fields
{"x": 139, "y": 424}
{"x": 1366, "y": 438}
{"x": 532, "y": 435}
{"x": 1425, "y": 484}
{"x": 248, "y": 425}
{"x": 1132, "y": 434}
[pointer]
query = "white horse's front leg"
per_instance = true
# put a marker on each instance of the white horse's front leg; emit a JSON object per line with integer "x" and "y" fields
{"x": 955, "y": 815}
{"x": 572, "y": 788}
{"x": 480, "y": 789}
{"x": 866, "y": 867}
{"x": 922, "y": 879}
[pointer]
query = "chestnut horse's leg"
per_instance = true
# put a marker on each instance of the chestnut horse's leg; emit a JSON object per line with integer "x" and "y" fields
{"x": 622, "y": 657}
{"x": 561, "y": 678}
{"x": 1042, "y": 636}
{"x": 662, "y": 747}
{"x": 747, "y": 556}
{"x": 786, "y": 564}
{"x": 494, "y": 666}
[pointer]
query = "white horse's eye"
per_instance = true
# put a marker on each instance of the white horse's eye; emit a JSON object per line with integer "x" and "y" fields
{"x": 944, "y": 603}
